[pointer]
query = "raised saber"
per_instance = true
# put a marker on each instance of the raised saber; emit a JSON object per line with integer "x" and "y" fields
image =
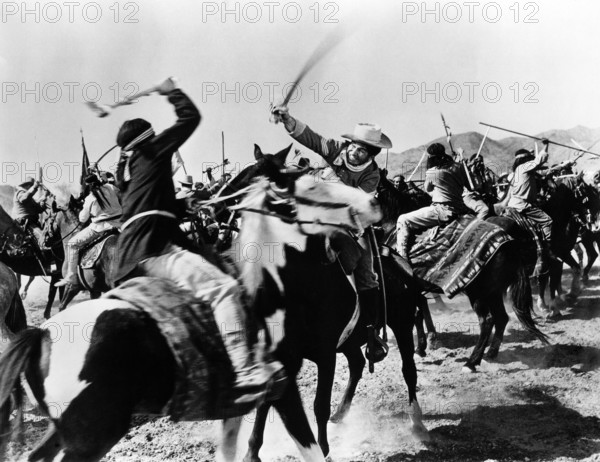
{"x": 330, "y": 42}
{"x": 540, "y": 139}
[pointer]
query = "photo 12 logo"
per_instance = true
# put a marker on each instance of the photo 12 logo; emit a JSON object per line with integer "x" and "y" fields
{"x": 68, "y": 12}
{"x": 471, "y": 92}
{"x": 269, "y": 12}
{"x": 470, "y": 12}
{"x": 255, "y": 92}
{"x": 71, "y": 92}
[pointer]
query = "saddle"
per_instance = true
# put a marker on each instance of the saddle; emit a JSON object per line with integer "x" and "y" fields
{"x": 89, "y": 254}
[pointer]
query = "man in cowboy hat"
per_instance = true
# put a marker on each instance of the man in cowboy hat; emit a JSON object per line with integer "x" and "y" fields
{"x": 353, "y": 161}
{"x": 26, "y": 209}
{"x": 445, "y": 181}
{"x": 152, "y": 244}
{"x": 186, "y": 188}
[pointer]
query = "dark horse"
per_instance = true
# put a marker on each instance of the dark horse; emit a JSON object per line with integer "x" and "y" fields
{"x": 506, "y": 269}
{"x": 324, "y": 313}
{"x": 62, "y": 224}
{"x": 19, "y": 254}
{"x": 566, "y": 205}
{"x": 117, "y": 362}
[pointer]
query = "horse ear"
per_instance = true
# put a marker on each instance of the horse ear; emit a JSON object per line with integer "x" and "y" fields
{"x": 258, "y": 154}
{"x": 282, "y": 155}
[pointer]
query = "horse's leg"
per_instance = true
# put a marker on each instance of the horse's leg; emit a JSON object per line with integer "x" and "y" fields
{"x": 322, "y": 403}
{"x": 402, "y": 326}
{"x": 107, "y": 415}
{"x": 431, "y": 330}
{"x": 542, "y": 283}
{"x": 258, "y": 431}
{"x": 26, "y": 288}
{"x": 500, "y": 317}
{"x": 294, "y": 418}
{"x": 421, "y": 349}
{"x": 51, "y": 295}
{"x": 576, "y": 279}
{"x": 69, "y": 295}
{"x": 229, "y": 435}
{"x": 486, "y": 323}
{"x": 356, "y": 365}
{"x": 588, "y": 245}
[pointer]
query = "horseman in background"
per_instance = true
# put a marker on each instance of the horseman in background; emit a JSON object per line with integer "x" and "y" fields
{"x": 523, "y": 193}
{"x": 152, "y": 244}
{"x": 445, "y": 181}
{"x": 353, "y": 161}
{"x": 103, "y": 207}
{"x": 27, "y": 209}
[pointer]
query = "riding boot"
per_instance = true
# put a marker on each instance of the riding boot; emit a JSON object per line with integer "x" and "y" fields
{"x": 404, "y": 240}
{"x": 256, "y": 375}
{"x": 369, "y": 305}
{"x": 72, "y": 262}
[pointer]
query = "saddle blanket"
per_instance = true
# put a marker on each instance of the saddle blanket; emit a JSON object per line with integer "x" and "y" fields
{"x": 90, "y": 254}
{"x": 204, "y": 373}
{"x": 452, "y": 256}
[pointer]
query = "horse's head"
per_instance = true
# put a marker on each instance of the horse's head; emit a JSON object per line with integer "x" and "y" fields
{"x": 288, "y": 207}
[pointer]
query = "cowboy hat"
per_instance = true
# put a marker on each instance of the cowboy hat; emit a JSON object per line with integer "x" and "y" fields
{"x": 369, "y": 134}
{"x": 28, "y": 181}
{"x": 188, "y": 181}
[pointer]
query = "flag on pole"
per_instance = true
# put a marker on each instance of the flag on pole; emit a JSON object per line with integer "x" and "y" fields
{"x": 177, "y": 163}
{"x": 85, "y": 165}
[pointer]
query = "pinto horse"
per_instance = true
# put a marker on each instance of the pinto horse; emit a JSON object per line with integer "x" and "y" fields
{"x": 117, "y": 362}
{"x": 325, "y": 312}
{"x": 506, "y": 269}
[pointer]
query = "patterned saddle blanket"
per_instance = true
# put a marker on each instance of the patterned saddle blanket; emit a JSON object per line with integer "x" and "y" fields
{"x": 90, "y": 254}
{"x": 451, "y": 257}
{"x": 204, "y": 373}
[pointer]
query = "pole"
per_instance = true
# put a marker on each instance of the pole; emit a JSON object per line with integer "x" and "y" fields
{"x": 417, "y": 167}
{"x": 539, "y": 139}
{"x": 223, "y": 150}
{"x": 482, "y": 141}
{"x": 448, "y": 133}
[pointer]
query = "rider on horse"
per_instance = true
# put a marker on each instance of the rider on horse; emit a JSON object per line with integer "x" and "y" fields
{"x": 353, "y": 161}
{"x": 152, "y": 244}
{"x": 445, "y": 181}
{"x": 523, "y": 192}
{"x": 27, "y": 210}
{"x": 103, "y": 207}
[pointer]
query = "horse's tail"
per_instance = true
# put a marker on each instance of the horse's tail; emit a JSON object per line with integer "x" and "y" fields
{"x": 523, "y": 304}
{"x": 20, "y": 355}
{"x": 15, "y": 318}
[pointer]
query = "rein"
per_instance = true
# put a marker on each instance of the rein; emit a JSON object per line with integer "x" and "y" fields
{"x": 281, "y": 199}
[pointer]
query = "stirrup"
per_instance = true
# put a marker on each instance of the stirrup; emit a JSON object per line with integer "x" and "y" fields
{"x": 377, "y": 346}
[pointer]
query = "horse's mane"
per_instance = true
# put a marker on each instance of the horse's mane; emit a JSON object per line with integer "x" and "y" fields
{"x": 395, "y": 203}
{"x": 264, "y": 235}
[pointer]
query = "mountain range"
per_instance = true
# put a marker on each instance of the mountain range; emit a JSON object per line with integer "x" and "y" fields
{"x": 499, "y": 154}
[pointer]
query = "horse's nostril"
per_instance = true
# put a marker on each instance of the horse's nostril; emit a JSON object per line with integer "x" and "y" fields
{"x": 374, "y": 203}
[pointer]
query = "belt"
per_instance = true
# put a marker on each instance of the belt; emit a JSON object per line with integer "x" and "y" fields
{"x": 147, "y": 213}
{"x": 113, "y": 217}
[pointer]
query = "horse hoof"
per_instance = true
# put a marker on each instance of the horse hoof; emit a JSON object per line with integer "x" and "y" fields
{"x": 554, "y": 316}
{"x": 468, "y": 369}
{"x": 421, "y": 352}
{"x": 338, "y": 417}
{"x": 491, "y": 355}
{"x": 251, "y": 459}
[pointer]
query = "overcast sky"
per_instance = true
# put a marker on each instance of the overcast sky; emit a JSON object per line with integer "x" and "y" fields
{"x": 531, "y": 66}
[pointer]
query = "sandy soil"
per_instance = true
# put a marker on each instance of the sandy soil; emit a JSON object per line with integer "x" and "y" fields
{"x": 534, "y": 403}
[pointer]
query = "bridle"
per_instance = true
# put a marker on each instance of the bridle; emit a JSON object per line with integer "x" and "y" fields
{"x": 284, "y": 206}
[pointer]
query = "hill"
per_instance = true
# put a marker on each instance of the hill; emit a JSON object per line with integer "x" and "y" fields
{"x": 499, "y": 154}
